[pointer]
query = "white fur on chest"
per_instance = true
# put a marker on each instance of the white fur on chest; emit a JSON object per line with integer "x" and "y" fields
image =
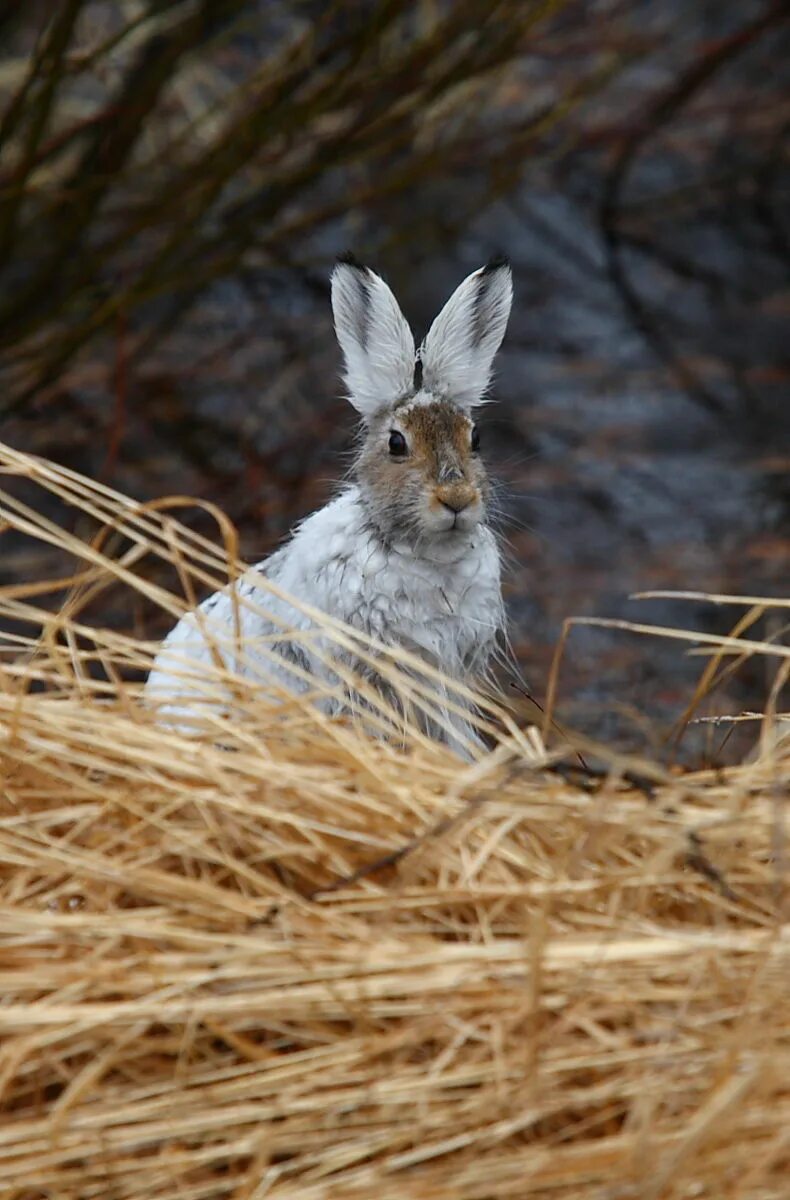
{"x": 444, "y": 605}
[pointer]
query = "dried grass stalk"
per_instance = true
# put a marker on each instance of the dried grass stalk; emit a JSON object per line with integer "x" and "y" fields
{"x": 309, "y": 964}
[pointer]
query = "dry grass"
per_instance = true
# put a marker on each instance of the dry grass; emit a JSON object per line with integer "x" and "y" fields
{"x": 323, "y": 966}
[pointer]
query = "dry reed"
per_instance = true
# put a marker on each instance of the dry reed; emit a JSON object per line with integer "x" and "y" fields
{"x": 306, "y": 963}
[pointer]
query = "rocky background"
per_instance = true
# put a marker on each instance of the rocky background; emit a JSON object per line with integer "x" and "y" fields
{"x": 177, "y": 177}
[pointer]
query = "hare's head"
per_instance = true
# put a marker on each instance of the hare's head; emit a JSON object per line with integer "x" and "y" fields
{"x": 419, "y": 467}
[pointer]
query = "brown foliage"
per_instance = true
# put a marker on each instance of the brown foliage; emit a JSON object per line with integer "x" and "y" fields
{"x": 307, "y": 963}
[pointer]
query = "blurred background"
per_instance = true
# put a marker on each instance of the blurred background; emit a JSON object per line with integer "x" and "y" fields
{"x": 176, "y": 178}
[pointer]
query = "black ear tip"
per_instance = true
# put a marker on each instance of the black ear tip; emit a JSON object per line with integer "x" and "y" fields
{"x": 350, "y": 260}
{"x": 496, "y": 263}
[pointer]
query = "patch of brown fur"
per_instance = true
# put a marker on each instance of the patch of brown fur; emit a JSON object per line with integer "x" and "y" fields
{"x": 439, "y": 439}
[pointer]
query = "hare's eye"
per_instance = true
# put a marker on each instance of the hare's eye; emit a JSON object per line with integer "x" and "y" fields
{"x": 397, "y": 444}
{"x": 475, "y": 439}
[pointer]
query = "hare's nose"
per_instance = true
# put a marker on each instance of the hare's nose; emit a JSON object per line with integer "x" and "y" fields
{"x": 456, "y": 497}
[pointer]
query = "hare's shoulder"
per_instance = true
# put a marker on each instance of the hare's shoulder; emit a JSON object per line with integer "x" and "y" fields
{"x": 321, "y": 562}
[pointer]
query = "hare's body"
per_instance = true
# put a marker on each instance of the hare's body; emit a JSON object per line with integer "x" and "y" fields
{"x": 446, "y": 608}
{"x": 404, "y": 555}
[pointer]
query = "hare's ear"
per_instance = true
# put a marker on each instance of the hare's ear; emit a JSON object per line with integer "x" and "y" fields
{"x": 377, "y": 344}
{"x": 459, "y": 349}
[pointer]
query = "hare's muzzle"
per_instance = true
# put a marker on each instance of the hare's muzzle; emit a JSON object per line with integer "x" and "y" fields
{"x": 457, "y": 496}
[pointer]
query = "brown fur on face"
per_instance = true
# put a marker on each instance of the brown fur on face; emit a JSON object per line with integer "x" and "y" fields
{"x": 439, "y": 485}
{"x": 439, "y": 438}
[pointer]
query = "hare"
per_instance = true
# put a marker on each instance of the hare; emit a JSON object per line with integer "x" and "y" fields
{"x": 404, "y": 553}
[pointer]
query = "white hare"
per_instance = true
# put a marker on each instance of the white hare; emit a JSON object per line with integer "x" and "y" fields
{"x": 404, "y": 553}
